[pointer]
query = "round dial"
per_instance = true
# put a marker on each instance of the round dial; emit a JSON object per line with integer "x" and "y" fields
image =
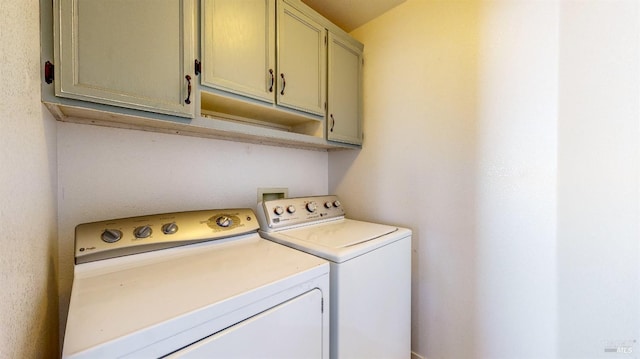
{"x": 278, "y": 210}
{"x": 311, "y": 206}
{"x": 111, "y": 235}
{"x": 224, "y": 221}
{"x": 291, "y": 209}
{"x": 142, "y": 232}
{"x": 336, "y": 203}
{"x": 328, "y": 204}
{"x": 169, "y": 228}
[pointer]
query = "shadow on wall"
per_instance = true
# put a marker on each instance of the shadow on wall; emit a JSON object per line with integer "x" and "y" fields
{"x": 417, "y": 168}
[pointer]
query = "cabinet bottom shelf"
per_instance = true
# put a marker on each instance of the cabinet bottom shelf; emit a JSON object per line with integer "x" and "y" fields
{"x": 206, "y": 127}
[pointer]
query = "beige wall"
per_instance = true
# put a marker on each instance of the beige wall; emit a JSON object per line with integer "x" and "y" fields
{"x": 416, "y": 168}
{"x": 28, "y": 256}
{"x": 506, "y": 135}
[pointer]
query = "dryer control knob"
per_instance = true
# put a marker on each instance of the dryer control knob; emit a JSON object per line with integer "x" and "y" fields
{"x": 224, "y": 221}
{"x": 311, "y": 206}
{"x": 169, "y": 228}
{"x": 142, "y": 232}
{"x": 291, "y": 209}
{"x": 278, "y": 210}
{"x": 111, "y": 235}
{"x": 336, "y": 203}
{"x": 328, "y": 204}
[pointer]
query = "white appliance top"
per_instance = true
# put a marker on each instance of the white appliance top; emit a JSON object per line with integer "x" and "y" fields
{"x": 321, "y": 229}
{"x": 125, "y": 304}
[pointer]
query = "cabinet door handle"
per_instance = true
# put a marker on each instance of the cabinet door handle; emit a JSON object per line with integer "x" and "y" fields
{"x": 333, "y": 122}
{"x": 273, "y": 80}
{"x": 284, "y": 83}
{"x": 188, "y": 99}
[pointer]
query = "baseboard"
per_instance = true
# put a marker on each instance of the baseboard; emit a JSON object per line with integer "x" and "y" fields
{"x": 415, "y": 355}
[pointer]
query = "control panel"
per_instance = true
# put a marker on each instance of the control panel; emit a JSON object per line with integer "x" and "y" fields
{"x": 285, "y": 212}
{"x": 124, "y": 236}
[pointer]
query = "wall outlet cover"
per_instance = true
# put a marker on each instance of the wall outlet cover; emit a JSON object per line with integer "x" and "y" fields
{"x": 266, "y": 194}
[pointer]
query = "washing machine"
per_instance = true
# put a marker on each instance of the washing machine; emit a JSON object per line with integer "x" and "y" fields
{"x": 193, "y": 285}
{"x": 370, "y": 272}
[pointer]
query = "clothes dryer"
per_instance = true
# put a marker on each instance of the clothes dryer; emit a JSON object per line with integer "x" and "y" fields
{"x": 370, "y": 272}
{"x": 193, "y": 285}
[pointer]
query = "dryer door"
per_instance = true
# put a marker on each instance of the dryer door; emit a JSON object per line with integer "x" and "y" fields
{"x": 292, "y": 329}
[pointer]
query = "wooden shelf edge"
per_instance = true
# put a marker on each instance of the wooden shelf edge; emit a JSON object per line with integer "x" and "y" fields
{"x": 204, "y": 127}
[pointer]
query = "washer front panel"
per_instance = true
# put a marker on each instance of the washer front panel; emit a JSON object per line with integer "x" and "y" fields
{"x": 287, "y": 212}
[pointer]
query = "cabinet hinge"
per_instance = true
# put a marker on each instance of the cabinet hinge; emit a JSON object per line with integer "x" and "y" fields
{"x": 197, "y": 67}
{"x": 325, "y": 40}
{"x": 325, "y": 106}
{"x": 48, "y": 72}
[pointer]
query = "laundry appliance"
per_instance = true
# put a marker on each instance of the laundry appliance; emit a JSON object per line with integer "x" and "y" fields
{"x": 370, "y": 272}
{"x": 191, "y": 285}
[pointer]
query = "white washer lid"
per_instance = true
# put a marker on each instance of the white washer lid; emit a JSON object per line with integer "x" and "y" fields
{"x": 338, "y": 240}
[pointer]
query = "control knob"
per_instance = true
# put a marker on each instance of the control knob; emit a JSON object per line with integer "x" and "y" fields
{"x": 311, "y": 206}
{"x": 224, "y": 221}
{"x": 328, "y": 204}
{"x": 142, "y": 231}
{"x": 111, "y": 235}
{"x": 169, "y": 228}
{"x": 291, "y": 209}
{"x": 336, "y": 203}
{"x": 278, "y": 210}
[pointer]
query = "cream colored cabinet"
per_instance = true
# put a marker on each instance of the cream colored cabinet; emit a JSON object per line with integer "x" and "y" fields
{"x": 264, "y": 73}
{"x": 301, "y": 61}
{"x": 133, "y": 54}
{"x": 344, "y": 112}
{"x": 241, "y": 40}
{"x": 239, "y": 46}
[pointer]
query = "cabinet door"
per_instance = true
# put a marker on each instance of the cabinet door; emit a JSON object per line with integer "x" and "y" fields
{"x": 134, "y": 54}
{"x": 301, "y": 61}
{"x": 290, "y": 330}
{"x": 238, "y": 47}
{"x": 344, "y": 115}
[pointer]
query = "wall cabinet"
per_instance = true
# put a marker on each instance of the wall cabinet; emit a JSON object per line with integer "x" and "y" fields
{"x": 241, "y": 41}
{"x": 301, "y": 61}
{"x": 270, "y": 71}
{"x": 134, "y": 54}
{"x": 344, "y": 111}
{"x": 239, "y": 48}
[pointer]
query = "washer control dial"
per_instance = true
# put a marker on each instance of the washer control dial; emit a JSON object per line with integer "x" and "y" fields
{"x": 278, "y": 210}
{"x": 328, "y": 204}
{"x": 142, "y": 231}
{"x": 311, "y": 206}
{"x": 224, "y": 221}
{"x": 111, "y": 235}
{"x": 336, "y": 203}
{"x": 291, "y": 209}
{"x": 169, "y": 228}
